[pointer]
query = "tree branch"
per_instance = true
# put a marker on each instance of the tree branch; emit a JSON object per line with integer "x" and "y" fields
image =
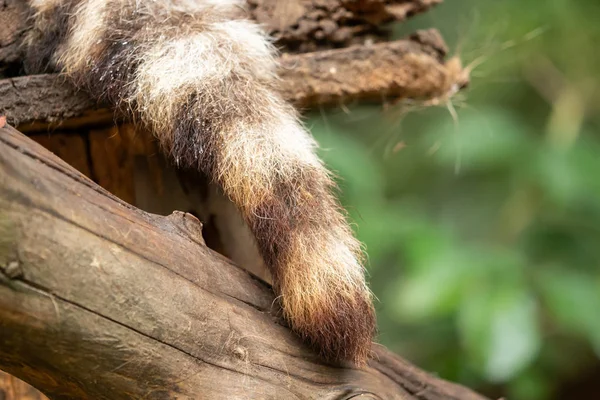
{"x": 412, "y": 68}
{"x": 297, "y": 25}
{"x": 101, "y": 300}
{"x": 368, "y": 70}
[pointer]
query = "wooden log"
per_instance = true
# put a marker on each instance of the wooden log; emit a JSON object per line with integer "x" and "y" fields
{"x": 127, "y": 162}
{"x": 99, "y": 300}
{"x": 412, "y": 68}
{"x": 368, "y": 70}
{"x": 297, "y": 25}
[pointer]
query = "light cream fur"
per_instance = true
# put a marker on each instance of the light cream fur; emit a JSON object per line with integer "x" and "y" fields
{"x": 42, "y": 6}
{"x": 86, "y": 33}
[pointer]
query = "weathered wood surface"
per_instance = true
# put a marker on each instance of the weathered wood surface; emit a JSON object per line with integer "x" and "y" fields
{"x": 297, "y": 25}
{"x": 127, "y": 162}
{"x": 412, "y": 68}
{"x": 99, "y": 300}
{"x": 309, "y": 25}
{"x": 368, "y": 70}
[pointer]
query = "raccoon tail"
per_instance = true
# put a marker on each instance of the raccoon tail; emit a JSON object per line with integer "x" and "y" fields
{"x": 202, "y": 79}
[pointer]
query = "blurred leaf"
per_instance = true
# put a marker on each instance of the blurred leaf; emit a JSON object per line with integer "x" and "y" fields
{"x": 498, "y": 326}
{"x": 387, "y": 228}
{"x": 361, "y": 176}
{"x": 573, "y": 301}
{"x": 530, "y": 385}
{"x": 565, "y": 176}
{"x": 434, "y": 285}
{"x": 481, "y": 139}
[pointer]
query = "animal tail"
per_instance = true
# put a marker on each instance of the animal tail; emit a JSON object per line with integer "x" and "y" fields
{"x": 202, "y": 79}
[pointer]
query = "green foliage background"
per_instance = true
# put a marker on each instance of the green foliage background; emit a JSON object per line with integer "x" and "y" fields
{"x": 484, "y": 235}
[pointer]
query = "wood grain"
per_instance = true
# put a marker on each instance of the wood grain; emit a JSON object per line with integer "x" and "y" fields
{"x": 70, "y": 148}
{"x": 99, "y": 300}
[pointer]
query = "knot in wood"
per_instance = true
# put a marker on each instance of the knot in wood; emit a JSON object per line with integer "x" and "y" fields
{"x": 241, "y": 353}
{"x": 186, "y": 224}
{"x": 12, "y": 270}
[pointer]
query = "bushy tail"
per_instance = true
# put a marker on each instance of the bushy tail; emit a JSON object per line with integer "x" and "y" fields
{"x": 202, "y": 79}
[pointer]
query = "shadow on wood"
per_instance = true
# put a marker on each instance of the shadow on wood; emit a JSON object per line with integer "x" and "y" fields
{"x": 101, "y": 300}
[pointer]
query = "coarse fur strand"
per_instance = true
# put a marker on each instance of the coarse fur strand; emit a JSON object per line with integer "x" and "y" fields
{"x": 202, "y": 79}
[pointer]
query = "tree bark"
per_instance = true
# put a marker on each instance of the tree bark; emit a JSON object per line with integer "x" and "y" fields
{"x": 297, "y": 25}
{"x": 411, "y": 68}
{"x": 99, "y": 300}
{"x": 334, "y": 53}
